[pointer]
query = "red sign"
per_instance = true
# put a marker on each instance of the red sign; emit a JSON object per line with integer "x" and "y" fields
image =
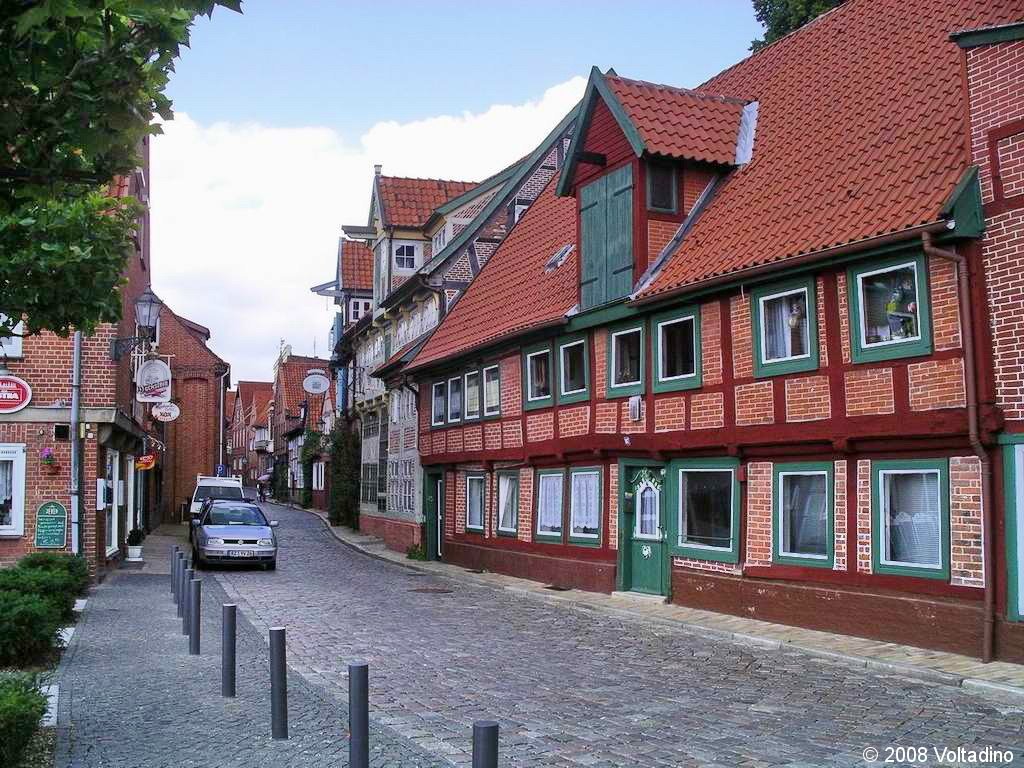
{"x": 15, "y": 394}
{"x": 145, "y": 461}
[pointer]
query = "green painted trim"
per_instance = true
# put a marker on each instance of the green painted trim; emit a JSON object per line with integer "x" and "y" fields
{"x": 1010, "y": 481}
{"x": 732, "y": 555}
{"x": 877, "y": 528}
{"x": 432, "y": 477}
{"x": 817, "y": 467}
{"x": 625, "y": 390}
{"x": 972, "y": 38}
{"x": 564, "y": 341}
{"x": 624, "y": 535}
{"x": 808, "y": 363}
{"x": 694, "y": 381}
{"x": 550, "y": 538}
{"x": 602, "y": 315}
{"x": 545, "y": 402}
{"x": 1010, "y": 438}
{"x": 483, "y": 511}
{"x": 487, "y": 184}
{"x": 915, "y": 348}
{"x": 484, "y": 414}
{"x": 497, "y": 502}
{"x": 675, "y": 189}
{"x": 582, "y": 540}
{"x": 964, "y": 205}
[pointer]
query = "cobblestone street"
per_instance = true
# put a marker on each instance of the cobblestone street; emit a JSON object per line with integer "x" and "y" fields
{"x": 572, "y": 688}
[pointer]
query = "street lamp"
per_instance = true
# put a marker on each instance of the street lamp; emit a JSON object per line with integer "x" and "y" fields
{"x": 147, "y": 315}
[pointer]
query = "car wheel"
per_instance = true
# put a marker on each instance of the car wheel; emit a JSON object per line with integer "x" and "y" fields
{"x": 271, "y": 566}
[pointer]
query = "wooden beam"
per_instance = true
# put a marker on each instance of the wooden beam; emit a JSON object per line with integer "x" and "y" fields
{"x": 591, "y": 158}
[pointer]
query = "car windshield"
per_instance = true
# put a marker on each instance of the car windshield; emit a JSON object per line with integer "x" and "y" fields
{"x": 204, "y": 492}
{"x": 227, "y": 514}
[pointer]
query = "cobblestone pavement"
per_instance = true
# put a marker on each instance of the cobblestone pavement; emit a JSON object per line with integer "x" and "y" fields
{"x": 132, "y": 697}
{"x": 572, "y": 688}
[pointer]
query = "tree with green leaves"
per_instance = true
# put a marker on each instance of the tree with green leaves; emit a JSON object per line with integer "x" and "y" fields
{"x": 780, "y": 17}
{"x": 344, "y": 448}
{"x": 80, "y": 84}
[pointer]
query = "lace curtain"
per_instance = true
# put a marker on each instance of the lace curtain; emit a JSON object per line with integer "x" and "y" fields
{"x": 549, "y": 515}
{"x": 912, "y": 517}
{"x": 647, "y": 520}
{"x": 585, "y": 503}
{"x": 6, "y": 492}
{"x": 508, "y": 487}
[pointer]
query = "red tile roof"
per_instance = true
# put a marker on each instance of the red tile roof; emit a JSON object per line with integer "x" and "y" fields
{"x": 248, "y": 390}
{"x": 290, "y": 392}
{"x": 514, "y": 292}
{"x": 409, "y": 202}
{"x": 229, "y": 405}
{"x": 355, "y": 265}
{"x": 680, "y": 123}
{"x": 859, "y": 133}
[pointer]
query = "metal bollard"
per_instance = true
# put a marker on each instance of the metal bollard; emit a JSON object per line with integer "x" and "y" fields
{"x": 195, "y": 607}
{"x": 485, "y": 744}
{"x": 185, "y": 613}
{"x": 176, "y": 576}
{"x": 227, "y": 650}
{"x": 174, "y": 559}
{"x": 278, "y": 684}
{"x": 359, "y": 715}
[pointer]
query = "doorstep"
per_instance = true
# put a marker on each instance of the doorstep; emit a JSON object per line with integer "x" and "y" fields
{"x": 998, "y": 677}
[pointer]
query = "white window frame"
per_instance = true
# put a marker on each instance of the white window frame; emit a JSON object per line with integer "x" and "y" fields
{"x": 862, "y": 306}
{"x": 615, "y": 350}
{"x": 497, "y": 408}
{"x": 318, "y": 475}
{"x": 679, "y": 512}
{"x": 551, "y": 535}
{"x": 437, "y": 420}
{"x": 502, "y": 495}
{"x": 637, "y": 493}
{"x": 113, "y": 509}
{"x": 462, "y": 405}
{"x": 663, "y": 347}
{"x": 482, "y": 479}
{"x": 466, "y": 415}
{"x": 15, "y": 453}
{"x": 11, "y": 346}
{"x": 779, "y": 496}
{"x": 562, "y": 368}
{"x": 761, "y": 302}
{"x": 415, "y": 256}
{"x": 529, "y": 376}
{"x": 574, "y": 473}
{"x": 883, "y": 519}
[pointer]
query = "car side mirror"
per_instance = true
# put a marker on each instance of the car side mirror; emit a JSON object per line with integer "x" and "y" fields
{"x": 273, "y": 523}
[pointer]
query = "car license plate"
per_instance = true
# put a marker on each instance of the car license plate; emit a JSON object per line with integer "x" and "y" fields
{"x": 239, "y": 553}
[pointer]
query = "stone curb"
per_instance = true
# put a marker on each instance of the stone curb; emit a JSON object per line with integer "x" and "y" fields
{"x": 876, "y": 666}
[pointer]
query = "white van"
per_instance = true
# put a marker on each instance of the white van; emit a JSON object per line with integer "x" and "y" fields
{"x": 208, "y": 486}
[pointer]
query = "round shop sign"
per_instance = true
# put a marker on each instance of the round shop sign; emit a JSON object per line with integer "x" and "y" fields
{"x": 166, "y": 411}
{"x": 15, "y": 394}
{"x": 153, "y": 382}
{"x": 145, "y": 461}
{"x": 316, "y": 382}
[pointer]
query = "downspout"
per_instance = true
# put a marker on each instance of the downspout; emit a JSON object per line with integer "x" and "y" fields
{"x": 220, "y": 425}
{"x": 973, "y": 435}
{"x": 76, "y": 447}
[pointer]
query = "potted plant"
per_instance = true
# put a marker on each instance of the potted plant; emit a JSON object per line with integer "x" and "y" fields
{"x": 135, "y": 537}
{"x": 49, "y": 461}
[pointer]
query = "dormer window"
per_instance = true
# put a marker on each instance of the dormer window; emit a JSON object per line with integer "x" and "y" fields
{"x": 662, "y": 188}
{"x": 405, "y": 257}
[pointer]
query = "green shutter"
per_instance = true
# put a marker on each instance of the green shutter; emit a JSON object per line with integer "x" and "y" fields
{"x": 593, "y": 234}
{"x": 619, "y": 277}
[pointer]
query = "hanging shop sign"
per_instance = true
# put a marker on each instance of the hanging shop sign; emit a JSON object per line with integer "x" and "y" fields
{"x": 51, "y": 525}
{"x": 316, "y": 381}
{"x": 145, "y": 461}
{"x": 15, "y": 394}
{"x": 153, "y": 382}
{"x": 166, "y": 411}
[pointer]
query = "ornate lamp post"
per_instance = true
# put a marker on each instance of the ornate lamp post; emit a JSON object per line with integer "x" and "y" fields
{"x": 147, "y": 315}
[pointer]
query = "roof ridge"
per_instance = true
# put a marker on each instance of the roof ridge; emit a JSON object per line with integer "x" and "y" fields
{"x": 679, "y": 89}
{"x": 430, "y": 178}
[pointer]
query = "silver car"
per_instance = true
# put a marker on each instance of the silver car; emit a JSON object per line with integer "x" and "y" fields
{"x": 234, "y": 532}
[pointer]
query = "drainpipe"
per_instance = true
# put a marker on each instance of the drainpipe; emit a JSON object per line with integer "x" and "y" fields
{"x": 973, "y": 431}
{"x": 220, "y": 424}
{"x": 76, "y": 448}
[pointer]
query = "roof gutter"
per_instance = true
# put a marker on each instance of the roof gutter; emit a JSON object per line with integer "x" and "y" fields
{"x": 904, "y": 235}
{"x": 973, "y": 434}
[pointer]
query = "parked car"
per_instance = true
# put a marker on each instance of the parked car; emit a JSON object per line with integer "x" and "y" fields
{"x": 233, "y": 532}
{"x": 208, "y": 486}
{"x": 250, "y": 495}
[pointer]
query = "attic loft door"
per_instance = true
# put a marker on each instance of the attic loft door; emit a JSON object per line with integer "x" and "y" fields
{"x": 606, "y": 235}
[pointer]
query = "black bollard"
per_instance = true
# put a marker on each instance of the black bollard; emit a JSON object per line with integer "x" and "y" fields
{"x": 278, "y": 684}
{"x": 359, "y": 715}
{"x": 176, "y": 576}
{"x": 195, "y": 607}
{"x": 227, "y": 650}
{"x": 485, "y": 744}
{"x": 183, "y": 605}
{"x": 182, "y": 567}
{"x": 174, "y": 558}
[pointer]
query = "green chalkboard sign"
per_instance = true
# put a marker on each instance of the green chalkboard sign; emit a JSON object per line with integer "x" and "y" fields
{"x": 51, "y": 525}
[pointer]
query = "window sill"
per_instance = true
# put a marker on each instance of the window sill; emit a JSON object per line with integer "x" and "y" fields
{"x": 11, "y": 534}
{"x": 626, "y": 390}
{"x": 548, "y": 538}
{"x": 939, "y": 574}
{"x": 508, "y": 534}
{"x": 536, "y": 405}
{"x": 678, "y": 385}
{"x": 826, "y": 563}
{"x": 112, "y": 552}
{"x": 700, "y": 553}
{"x": 479, "y": 531}
{"x": 585, "y": 542}
{"x": 919, "y": 348}
{"x": 783, "y": 367}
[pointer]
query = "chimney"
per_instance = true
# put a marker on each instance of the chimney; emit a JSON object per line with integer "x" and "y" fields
{"x": 376, "y": 169}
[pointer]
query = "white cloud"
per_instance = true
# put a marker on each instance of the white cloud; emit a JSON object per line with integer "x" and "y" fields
{"x": 245, "y": 217}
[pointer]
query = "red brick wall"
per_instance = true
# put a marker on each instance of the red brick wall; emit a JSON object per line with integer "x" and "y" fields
{"x": 755, "y": 403}
{"x": 658, "y": 234}
{"x": 869, "y": 391}
{"x": 573, "y": 422}
{"x": 807, "y": 399}
{"x": 670, "y": 414}
{"x": 759, "y": 513}
{"x": 937, "y": 384}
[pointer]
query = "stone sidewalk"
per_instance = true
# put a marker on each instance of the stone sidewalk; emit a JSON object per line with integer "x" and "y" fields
{"x": 1000, "y": 679}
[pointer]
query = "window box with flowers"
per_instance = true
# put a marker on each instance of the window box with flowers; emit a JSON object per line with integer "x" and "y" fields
{"x": 48, "y": 461}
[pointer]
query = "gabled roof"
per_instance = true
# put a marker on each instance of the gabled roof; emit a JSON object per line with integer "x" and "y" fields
{"x": 514, "y": 278}
{"x": 290, "y": 393}
{"x": 406, "y": 202}
{"x": 355, "y": 265}
{"x": 250, "y": 390}
{"x": 860, "y": 134}
{"x": 229, "y": 404}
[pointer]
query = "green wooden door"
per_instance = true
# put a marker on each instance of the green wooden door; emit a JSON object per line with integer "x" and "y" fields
{"x": 433, "y": 512}
{"x": 619, "y": 251}
{"x": 593, "y": 246}
{"x": 645, "y": 524}
{"x": 606, "y": 238}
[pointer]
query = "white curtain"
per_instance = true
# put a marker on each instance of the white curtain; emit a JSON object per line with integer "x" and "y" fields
{"x": 805, "y": 515}
{"x": 912, "y": 515}
{"x": 647, "y": 521}
{"x": 782, "y": 341}
{"x": 508, "y": 487}
{"x": 6, "y": 492}
{"x": 549, "y": 516}
{"x": 476, "y": 502}
{"x": 585, "y": 508}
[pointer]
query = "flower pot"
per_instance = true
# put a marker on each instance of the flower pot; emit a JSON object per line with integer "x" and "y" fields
{"x": 51, "y": 469}
{"x": 134, "y": 554}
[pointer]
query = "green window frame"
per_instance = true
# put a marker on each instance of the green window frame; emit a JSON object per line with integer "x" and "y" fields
{"x": 466, "y": 415}
{"x": 916, "y": 537}
{"x": 488, "y": 412}
{"x": 629, "y": 388}
{"x": 471, "y": 479}
{"x": 578, "y": 395}
{"x": 531, "y": 402}
{"x": 658, "y": 324}
{"x": 550, "y": 536}
{"x": 438, "y": 419}
{"x": 792, "y": 364}
{"x": 674, "y": 514}
{"x": 674, "y": 208}
{"x": 803, "y": 469}
{"x": 586, "y": 539}
{"x": 512, "y": 476}
{"x": 864, "y": 351}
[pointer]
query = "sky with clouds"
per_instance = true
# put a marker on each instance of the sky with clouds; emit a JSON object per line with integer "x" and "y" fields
{"x": 250, "y": 184}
